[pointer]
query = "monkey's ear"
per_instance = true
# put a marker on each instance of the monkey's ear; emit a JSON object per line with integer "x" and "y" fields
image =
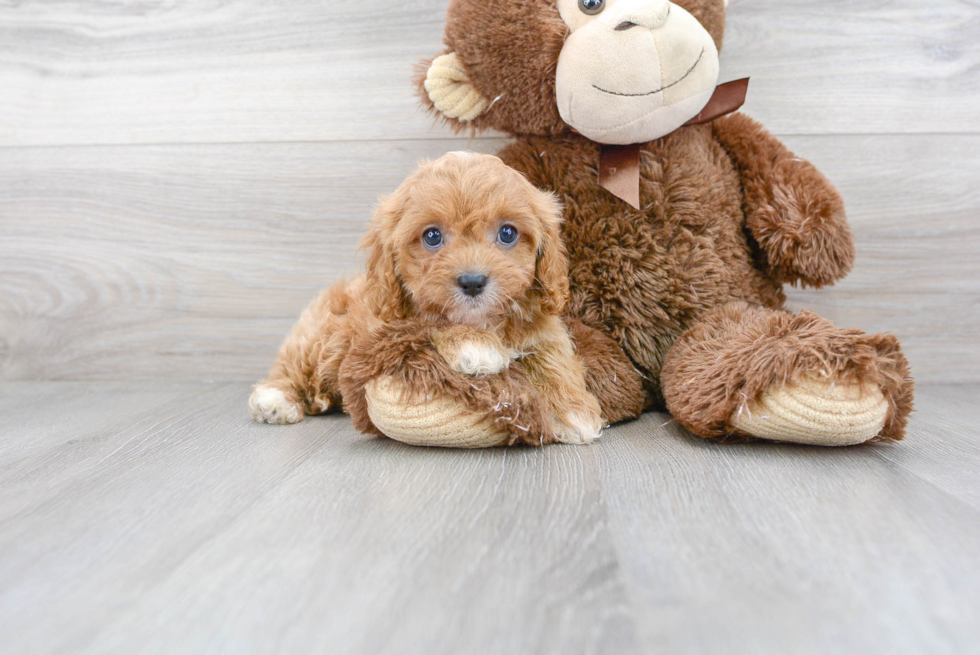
{"x": 450, "y": 90}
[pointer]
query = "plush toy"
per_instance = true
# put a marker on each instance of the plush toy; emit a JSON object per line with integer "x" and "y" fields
{"x": 681, "y": 230}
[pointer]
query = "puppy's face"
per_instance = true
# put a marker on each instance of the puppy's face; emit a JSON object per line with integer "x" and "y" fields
{"x": 467, "y": 237}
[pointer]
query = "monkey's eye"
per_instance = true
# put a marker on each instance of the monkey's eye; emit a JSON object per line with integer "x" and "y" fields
{"x": 432, "y": 238}
{"x": 508, "y": 235}
{"x": 591, "y": 7}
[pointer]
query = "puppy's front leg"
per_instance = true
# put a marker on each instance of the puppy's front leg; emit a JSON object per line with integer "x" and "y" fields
{"x": 559, "y": 376}
{"x": 472, "y": 351}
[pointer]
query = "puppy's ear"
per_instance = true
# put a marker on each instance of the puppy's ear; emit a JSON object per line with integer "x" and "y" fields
{"x": 385, "y": 295}
{"x": 551, "y": 277}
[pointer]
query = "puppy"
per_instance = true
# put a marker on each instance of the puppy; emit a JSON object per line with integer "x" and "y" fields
{"x": 470, "y": 245}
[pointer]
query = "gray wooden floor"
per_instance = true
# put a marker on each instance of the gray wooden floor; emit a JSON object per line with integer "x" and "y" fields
{"x": 158, "y": 518}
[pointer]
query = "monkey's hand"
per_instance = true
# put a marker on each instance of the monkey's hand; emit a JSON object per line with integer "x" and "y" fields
{"x": 793, "y": 212}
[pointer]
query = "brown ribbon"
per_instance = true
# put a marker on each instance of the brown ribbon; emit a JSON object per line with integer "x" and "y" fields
{"x": 619, "y": 166}
{"x": 619, "y": 172}
{"x": 728, "y": 97}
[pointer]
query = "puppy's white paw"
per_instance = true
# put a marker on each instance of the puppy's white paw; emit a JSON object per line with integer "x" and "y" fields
{"x": 479, "y": 359}
{"x": 270, "y": 405}
{"x": 579, "y": 428}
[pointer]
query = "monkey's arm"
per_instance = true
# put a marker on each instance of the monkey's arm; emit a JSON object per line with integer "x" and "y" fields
{"x": 792, "y": 211}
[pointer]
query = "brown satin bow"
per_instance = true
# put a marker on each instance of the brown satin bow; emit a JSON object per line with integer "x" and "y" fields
{"x": 619, "y": 166}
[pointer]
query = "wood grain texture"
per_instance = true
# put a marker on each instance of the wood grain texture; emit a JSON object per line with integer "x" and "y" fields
{"x": 190, "y": 529}
{"x": 156, "y": 71}
{"x": 178, "y": 526}
{"x": 193, "y": 261}
{"x": 950, "y": 463}
{"x": 765, "y": 548}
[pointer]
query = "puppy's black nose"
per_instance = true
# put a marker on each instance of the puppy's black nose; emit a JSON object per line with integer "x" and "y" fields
{"x": 472, "y": 285}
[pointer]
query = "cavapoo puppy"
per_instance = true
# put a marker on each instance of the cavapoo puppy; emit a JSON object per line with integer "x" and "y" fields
{"x": 467, "y": 245}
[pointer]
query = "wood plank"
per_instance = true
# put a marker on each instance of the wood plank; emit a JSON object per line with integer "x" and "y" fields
{"x": 942, "y": 447}
{"x": 857, "y": 67}
{"x": 193, "y": 261}
{"x": 234, "y": 71}
{"x": 763, "y": 548}
{"x": 210, "y": 533}
{"x": 35, "y": 409}
{"x": 188, "y": 527}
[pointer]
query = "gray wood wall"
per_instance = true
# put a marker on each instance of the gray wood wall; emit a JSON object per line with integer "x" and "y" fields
{"x": 178, "y": 178}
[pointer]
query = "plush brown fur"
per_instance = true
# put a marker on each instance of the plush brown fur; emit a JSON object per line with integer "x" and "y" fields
{"x": 728, "y": 215}
{"x": 794, "y": 215}
{"x": 739, "y": 350}
{"x": 408, "y": 314}
{"x": 609, "y": 375}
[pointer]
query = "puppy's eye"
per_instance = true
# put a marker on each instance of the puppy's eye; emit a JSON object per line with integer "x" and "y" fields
{"x": 432, "y": 238}
{"x": 508, "y": 235}
{"x": 591, "y": 7}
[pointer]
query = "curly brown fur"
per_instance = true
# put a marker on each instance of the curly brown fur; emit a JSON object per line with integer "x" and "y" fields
{"x": 406, "y": 351}
{"x": 463, "y": 201}
{"x": 738, "y": 351}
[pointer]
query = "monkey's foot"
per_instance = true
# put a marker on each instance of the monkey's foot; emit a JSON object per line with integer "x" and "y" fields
{"x": 439, "y": 421}
{"x": 816, "y": 411}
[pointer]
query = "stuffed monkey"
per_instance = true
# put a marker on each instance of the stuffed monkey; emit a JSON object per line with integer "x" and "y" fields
{"x": 682, "y": 223}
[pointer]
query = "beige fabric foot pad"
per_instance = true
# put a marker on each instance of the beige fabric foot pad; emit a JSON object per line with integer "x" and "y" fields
{"x": 817, "y": 412}
{"x": 439, "y": 422}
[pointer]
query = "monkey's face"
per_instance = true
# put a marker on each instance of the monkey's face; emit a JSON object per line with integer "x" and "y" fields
{"x": 617, "y": 71}
{"x": 632, "y": 71}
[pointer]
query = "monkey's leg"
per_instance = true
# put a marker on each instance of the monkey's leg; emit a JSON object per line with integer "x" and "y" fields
{"x": 748, "y": 372}
{"x": 609, "y": 374}
{"x": 303, "y": 381}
